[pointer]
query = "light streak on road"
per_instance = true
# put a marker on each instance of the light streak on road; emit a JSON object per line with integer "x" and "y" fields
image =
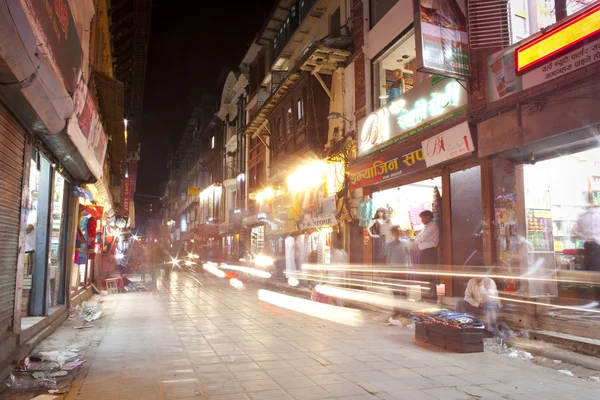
{"x": 247, "y": 270}
{"x": 445, "y": 270}
{"x": 376, "y": 299}
{"x": 212, "y": 268}
{"x": 340, "y": 315}
{"x": 574, "y": 308}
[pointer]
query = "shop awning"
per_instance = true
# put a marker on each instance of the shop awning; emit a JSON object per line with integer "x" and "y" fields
{"x": 110, "y": 97}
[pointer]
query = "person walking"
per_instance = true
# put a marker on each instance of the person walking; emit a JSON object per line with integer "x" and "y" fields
{"x": 397, "y": 255}
{"x": 339, "y": 260}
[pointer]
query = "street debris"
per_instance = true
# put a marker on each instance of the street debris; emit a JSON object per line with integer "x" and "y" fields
{"x": 135, "y": 287}
{"x": 402, "y": 322}
{"x": 88, "y": 311}
{"x": 46, "y": 369}
{"x": 595, "y": 378}
{"x": 83, "y": 327}
{"x": 566, "y": 372}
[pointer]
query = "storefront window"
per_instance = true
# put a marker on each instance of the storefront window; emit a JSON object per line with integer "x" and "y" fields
{"x": 394, "y": 72}
{"x": 56, "y": 236}
{"x": 257, "y": 240}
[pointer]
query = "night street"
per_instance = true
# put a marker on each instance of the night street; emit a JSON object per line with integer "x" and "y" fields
{"x": 200, "y": 338}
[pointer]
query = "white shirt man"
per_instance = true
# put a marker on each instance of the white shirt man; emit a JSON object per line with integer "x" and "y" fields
{"x": 429, "y": 237}
{"x": 428, "y": 240}
{"x": 481, "y": 300}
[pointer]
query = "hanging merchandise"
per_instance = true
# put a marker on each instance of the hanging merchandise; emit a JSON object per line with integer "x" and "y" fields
{"x": 436, "y": 206}
{"x": 365, "y": 211}
{"x": 81, "y": 243}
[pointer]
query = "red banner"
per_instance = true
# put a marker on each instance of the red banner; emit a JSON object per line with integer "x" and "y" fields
{"x": 125, "y": 196}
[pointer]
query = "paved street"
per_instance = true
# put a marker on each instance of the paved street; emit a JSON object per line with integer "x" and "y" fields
{"x": 200, "y": 338}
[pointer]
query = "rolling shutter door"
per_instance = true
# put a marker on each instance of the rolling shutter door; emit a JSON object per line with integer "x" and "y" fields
{"x": 12, "y": 144}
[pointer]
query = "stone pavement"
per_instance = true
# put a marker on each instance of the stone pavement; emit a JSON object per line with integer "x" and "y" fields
{"x": 199, "y": 338}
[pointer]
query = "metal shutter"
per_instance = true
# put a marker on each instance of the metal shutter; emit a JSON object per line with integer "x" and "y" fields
{"x": 12, "y": 145}
{"x": 489, "y": 24}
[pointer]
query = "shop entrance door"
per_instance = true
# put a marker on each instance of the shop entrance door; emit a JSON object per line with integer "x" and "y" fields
{"x": 466, "y": 216}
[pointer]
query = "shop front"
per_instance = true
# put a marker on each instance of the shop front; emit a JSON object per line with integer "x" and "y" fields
{"x": 543, "y": 153}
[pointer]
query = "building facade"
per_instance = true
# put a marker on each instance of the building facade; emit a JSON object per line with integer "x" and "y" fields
{"x": 60, "y": 147}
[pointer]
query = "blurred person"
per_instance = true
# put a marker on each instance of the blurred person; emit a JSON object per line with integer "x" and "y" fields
{"x": 339, "y": 258}
{"x": 588, "y": 229}
{"x": 481, "y": 301}
{"x": 397, "y": 253}
{"x": 29, "y": 248}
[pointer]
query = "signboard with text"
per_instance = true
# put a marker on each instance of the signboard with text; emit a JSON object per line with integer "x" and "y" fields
{"x": 317, "y": 222}
{"x": 539, "y": 67}
{"x": 57, "y": 23}
{"x": 426, "y": 105}
{"x": 452, "y": 143}
{"x": 441, "y": 37}
{"x": 387, "y": 166}
{"x": 86, "y": 130}
{"x": 126, "y": 196}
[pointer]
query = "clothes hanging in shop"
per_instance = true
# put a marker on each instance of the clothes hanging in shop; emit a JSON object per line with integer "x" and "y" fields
{"x": 365, "y": 211}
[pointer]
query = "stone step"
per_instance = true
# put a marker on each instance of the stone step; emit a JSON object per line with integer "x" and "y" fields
{"x": 578, "y": 344}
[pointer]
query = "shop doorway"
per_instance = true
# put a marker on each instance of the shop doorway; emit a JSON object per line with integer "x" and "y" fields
{"x": 403, "y": 206}
{"x": 467, "y": 229}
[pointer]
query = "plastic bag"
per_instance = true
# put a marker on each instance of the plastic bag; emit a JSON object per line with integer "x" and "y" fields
{"x": 24, "y": 381}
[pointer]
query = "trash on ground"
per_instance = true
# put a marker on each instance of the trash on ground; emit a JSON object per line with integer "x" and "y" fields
{"x": 24, "y": 381}
{"x": 557, "y": 361}
{"x": 395, "y": 322}
{"x": 58, "y": 356}
{"x": 595, "y": 378}
{"x": 402, "y": 322}
{"x": 566, "y": 372}
{"x": 58, "y": 391}
{"x": 83, "y": 327}
{"x": 135, "y": 287}
{"x": 72, "y": 365}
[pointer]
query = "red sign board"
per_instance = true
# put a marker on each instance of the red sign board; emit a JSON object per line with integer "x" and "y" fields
{"x": 126, "y": 195}
{"x": 558, "y": 40}
{"x": 388, "y": 165}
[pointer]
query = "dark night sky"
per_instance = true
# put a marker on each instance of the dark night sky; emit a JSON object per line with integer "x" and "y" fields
{"x": 190, "y": 42}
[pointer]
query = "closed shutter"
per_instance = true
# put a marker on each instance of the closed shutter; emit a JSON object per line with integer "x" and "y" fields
{"x": 12, "y": 145}
{"x": 489, "y": 25}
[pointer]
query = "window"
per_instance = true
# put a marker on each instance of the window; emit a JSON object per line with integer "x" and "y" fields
{"x": 300, "y": 109}
{"x": 528, "y": 17}
{"x": 289, "y": 122}
{"x": 394, "y": 72}
{"x": 378, "y": 9}
{"x": 212, "y": 142}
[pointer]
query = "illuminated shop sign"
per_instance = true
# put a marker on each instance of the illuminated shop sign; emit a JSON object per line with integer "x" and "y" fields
{"x": 387, "y": 165}
{"x": 558, "y": 40}
{"x": 427, "y": 104}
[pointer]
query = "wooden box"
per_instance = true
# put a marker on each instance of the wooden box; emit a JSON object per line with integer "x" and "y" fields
{"x": 452, "y": 339}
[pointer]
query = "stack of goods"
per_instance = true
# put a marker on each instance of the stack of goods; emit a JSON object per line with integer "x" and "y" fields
{"x": 450, "y": 330}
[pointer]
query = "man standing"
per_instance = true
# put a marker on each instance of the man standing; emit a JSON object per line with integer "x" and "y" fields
{"x": 428, "y": 240}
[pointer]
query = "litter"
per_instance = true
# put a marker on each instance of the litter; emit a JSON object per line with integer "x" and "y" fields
{"x": 595, "y": 378}
{"x": 557, "y": 361}
{"x": 24, "y": 381}
{"x": 58, "y": 391}
{"x": 395, "y": 322}
{"x": 83, "y": 327}
{"x": 57, "y": 374}
{"x": 58, "y": 356}
{"x": 566, "y": 372}
{"x": 72, "y": 365}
